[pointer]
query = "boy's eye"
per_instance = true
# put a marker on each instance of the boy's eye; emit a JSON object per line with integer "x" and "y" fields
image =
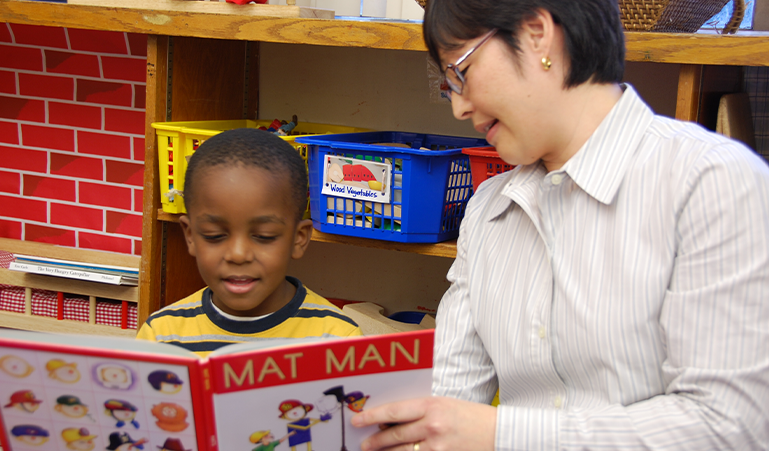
{"x": 212, "y": 238}
{"x": 265, "y": 237}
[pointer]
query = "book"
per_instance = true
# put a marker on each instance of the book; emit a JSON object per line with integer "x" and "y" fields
{"x": 71, "y": 392}
{"x": 115, "y": 275}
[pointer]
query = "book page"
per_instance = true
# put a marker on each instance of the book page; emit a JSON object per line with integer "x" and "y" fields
{"x": 62, "y": 392}
{"x": 304, "y": 396}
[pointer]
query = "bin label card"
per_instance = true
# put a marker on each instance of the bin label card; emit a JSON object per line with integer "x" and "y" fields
{"x": 356, "y": 179}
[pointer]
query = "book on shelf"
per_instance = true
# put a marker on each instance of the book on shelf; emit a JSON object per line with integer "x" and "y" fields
{"x": 62, "y": 392}
{"x": 115, "y": 275}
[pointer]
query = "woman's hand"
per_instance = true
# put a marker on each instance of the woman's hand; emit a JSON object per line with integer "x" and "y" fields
{"x": 430, "y": 424}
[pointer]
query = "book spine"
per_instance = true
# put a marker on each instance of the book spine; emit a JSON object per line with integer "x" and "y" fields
{"x": 68, "y": 273}
{"x": 203, "y": 405}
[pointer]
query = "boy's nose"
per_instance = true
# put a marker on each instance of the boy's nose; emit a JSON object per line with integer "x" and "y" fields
{"x": 239, "y": 251}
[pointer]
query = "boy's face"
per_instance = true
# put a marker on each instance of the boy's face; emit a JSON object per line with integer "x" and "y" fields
{"x": 243, "y": 232}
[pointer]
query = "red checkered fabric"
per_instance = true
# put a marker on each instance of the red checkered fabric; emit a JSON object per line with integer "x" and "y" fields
{"x": 76, "y": 308}
{"x": 45, "y": 303}
{"x": 12, "y": 299}
{"x": 5, "y": 259}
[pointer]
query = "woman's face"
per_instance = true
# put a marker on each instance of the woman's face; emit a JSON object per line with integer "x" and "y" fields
{"x": 511, "y": 105}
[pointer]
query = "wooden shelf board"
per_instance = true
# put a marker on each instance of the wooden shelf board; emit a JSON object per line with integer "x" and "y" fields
{"x": 446, "y": 249}
{"x": 269, "y": 23}
{"x": 44, "y": 324}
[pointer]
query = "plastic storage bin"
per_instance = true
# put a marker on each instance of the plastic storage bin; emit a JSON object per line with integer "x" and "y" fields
{"x": 177, "y": 141}
{"x": 429, "y": 179}
{"x": 485, "y": 163}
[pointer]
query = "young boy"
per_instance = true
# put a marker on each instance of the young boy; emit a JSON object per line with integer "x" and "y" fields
{"x": 245, "y": 193}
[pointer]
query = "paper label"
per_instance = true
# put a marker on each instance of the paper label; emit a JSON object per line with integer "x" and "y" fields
{"x": 356, "y": 179}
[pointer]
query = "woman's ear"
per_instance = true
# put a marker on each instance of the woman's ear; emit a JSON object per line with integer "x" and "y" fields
{"x": 301, "y": 238}
{"x": 537, "y": 33}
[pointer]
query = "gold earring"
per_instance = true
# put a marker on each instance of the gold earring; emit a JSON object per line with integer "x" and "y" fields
{"x": 546, "y": 63}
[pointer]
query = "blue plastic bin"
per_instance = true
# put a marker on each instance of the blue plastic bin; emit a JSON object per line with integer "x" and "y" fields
{"x": 430, "y": 182}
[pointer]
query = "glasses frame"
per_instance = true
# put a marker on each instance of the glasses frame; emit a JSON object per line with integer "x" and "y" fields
{"x": 462, "y": 59}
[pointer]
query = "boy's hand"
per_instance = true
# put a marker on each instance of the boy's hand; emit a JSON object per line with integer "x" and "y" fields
{"x": 433, "y": 423}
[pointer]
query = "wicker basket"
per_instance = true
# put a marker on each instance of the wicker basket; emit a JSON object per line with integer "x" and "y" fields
{"x": 672, "y": 16}
{"x": 675, "y": 16}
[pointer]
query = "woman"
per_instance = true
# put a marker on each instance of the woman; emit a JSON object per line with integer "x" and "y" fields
{"x": 613, "y": 285}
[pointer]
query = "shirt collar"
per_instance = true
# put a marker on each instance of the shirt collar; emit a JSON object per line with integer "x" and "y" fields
{"x": 600, "y": 165}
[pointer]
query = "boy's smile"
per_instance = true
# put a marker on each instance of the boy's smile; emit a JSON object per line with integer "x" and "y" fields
{"x": 243, "y": 230}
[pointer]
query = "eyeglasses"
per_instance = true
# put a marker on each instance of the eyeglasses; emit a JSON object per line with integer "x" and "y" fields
{"x": 455, "y": 78}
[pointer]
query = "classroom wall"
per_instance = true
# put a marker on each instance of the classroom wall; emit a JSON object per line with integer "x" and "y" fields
{"x": 72, "y": 136}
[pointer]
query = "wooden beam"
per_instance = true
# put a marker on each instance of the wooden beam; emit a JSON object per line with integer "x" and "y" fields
{"x": 689, "y": 90}
{"x": 150, "y": 271}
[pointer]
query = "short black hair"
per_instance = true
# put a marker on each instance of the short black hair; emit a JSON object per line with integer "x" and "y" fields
{"x": 594, "y": 38}
{"x": 250, "y": 147}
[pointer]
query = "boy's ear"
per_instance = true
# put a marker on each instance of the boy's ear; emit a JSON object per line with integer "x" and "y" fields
{"x": 301, "y": 238}
{"x": 184, "y": 220}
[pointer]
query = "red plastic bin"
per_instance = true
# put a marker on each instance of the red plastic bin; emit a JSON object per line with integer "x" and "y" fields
{"x": 485, "y": 163}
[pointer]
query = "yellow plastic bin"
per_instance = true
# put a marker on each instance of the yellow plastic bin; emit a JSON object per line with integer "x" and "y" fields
{"x": 177, "y": 141}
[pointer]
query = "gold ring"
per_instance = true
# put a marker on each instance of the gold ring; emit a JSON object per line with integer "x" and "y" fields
{"x": 416, "y": 446}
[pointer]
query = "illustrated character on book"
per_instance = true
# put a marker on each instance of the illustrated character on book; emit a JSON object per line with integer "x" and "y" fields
{"x": 113, "y": 376}
{"x": 122, "y": 411}
{"x": 354, "y": 400}
{"x": 173, "y": 444}
{"x": 62, "y": 371}
{"x": 266, "y": 441}
{"x": 121, "y": 441}
{"x": 296, "y": 412}
{"x": 165, "y": 382}
{"x": 171, "y": 417}
{"x": 78, "y": 439}
{"x": 23, "y": 400}
{"x": 70, "y": 406}
{"x": 30, "y": 434}
{"x": 15, "y": 366}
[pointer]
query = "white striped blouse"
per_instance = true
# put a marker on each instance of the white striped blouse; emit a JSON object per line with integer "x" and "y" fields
{"x": 620, "y": 302}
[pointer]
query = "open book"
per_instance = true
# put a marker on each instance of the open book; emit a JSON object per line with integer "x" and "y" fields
{"x": 70, "y": 392}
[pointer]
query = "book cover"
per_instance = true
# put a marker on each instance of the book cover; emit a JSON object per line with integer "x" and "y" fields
{"x": 67, "y": 392}
{"x": 114, "y": 275}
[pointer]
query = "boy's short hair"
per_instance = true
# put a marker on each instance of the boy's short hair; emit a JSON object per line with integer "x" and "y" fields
{"x": 250, "y": 147}
{"x": 594, "y": 38}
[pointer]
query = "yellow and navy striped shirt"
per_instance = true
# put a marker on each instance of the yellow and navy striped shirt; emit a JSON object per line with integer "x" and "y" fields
{"x": 193, "y": 323}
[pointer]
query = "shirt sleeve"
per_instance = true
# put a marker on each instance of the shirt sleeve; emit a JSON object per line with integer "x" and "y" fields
{"x": 462, "y": 368}
{"x": 145, "y": 332}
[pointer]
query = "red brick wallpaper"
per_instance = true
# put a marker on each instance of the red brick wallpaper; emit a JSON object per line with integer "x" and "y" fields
{"x": 72, "y": 136}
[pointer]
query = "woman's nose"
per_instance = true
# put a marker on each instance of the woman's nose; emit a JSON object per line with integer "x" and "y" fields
{"x": 460, "y": 106}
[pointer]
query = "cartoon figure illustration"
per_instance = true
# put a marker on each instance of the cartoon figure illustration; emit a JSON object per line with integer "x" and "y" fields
{"x": 29, "y": 434}
{"x": 123, "y": 442}
{"x": 165, "y": 382}
{"x": 122, "y": 411}
{"x": 62, "y": 371}
{"x": 296, "y": 412}
{"x": 113, "y": 376}
{"x": 71, "y": 406}
{"x": 15, "y": 366}
{"x": 24, "y": 400}
{"x": 355, "y": 401}
{"x": 173, "y": 444}
{"x": 266, "y": 441}
{"x": 171, "y": 417}
{"x": 78, "y": 439}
